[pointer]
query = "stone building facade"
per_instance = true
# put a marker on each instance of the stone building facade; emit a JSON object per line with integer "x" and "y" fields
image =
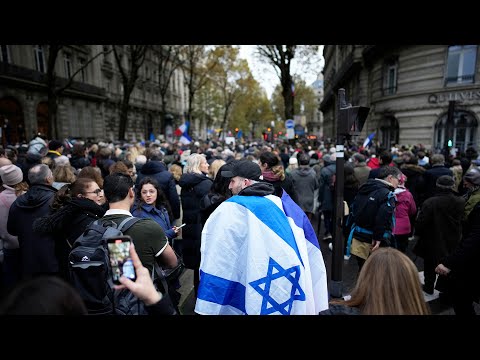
{"x": 410, "y": 90}
{"x": 89, "y": 108}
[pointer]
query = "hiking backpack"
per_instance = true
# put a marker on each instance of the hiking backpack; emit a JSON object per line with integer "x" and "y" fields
{"x": 91, "y": 273}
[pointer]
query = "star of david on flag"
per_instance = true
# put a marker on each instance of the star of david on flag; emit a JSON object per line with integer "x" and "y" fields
{"x": 262, "y": 286}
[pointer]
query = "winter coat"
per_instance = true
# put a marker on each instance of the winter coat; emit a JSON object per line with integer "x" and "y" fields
{"x": 463, "y": 261}
{"x": 361, "y": 172}
{"x": 439, "y": 225}
{"x": 66, "y": 224}
{"x": 325, "y": 192}
{"x": 158, "y": 171}
{"x": 160, "y": 216}
{"x": 415, "y": 182}
{"x": 7, "y": 197}
{"x": 431, "y": 176}
{"x": 194, "y": 188}
{"x": 305, "y": 183}
{"x": 79, "y": 162}
{"x": 37, "y": 252}
{"x": 405, "y": 209}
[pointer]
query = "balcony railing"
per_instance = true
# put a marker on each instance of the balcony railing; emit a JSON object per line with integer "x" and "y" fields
{"x": 468, "y": 79}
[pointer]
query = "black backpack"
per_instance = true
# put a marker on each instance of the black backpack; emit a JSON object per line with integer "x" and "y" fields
{"x": 91, "y": 273}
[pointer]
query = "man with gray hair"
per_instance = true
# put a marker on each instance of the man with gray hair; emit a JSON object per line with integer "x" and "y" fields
{"x": 37, "y": 252}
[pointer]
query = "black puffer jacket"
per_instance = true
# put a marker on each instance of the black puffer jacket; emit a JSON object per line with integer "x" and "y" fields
{"x": 194, "y": 188}
{"x": 37, "y": 252}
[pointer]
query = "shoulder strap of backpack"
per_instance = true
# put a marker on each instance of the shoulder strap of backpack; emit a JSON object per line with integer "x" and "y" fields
{"x": 127, "y": 223}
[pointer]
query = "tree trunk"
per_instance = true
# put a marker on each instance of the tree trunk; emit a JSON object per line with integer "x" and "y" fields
{"x": 288, "y": 96}
{"x": 123, "y": 116}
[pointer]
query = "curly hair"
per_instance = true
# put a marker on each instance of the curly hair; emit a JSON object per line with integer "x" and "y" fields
{"x": 161, "y": 198}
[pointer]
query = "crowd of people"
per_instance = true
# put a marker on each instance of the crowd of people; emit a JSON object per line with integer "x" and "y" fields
{"x": 248, "y": 211}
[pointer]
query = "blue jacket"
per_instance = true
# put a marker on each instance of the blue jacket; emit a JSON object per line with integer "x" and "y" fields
{"x": 160, "y": 216}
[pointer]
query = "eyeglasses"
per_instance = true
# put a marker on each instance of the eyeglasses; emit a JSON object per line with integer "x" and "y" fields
{"x": 97, "y": 192}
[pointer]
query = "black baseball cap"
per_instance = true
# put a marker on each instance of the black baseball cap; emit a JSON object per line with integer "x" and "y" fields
{"x": 246, "y": 169}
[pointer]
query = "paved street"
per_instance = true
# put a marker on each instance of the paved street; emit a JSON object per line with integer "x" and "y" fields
{"x": 350, "y": 269}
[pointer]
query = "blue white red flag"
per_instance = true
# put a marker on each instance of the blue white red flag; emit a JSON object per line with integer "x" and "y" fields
{"x": 368, "y": 140}
{"x": 182, "y": 131}
{"x": 276, "y": 267}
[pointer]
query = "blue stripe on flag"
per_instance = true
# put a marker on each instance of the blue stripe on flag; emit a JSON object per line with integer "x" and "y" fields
{"x": 221, "y": 291}
{"x": 293, "y": 211}
{"x": 271, "y": 216}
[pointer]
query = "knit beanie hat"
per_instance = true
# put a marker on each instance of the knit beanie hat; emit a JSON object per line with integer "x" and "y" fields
{"x": 445, "y": 182}
{"x": 11, "y": 175}
{"x": 472, "y": 176}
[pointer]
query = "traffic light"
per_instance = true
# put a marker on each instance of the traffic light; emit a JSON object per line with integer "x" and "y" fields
{"x": 351, "y": 120}
{"x": 450, "y": 143}
{"x": 236, "y": 130}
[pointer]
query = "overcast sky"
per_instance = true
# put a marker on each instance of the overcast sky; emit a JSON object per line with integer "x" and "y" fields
{"x": 265, "y": 74}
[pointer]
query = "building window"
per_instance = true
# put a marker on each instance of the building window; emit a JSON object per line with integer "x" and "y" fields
{"x": 83, "y": 73}
{"x": 5, "y": 54}
{"x": 67, "y": 65}
{"x": 464, "y": 130}
{"x": 461, "y": 64}
{"x": 390, "y": 77}
{"x": 39, "y": 58}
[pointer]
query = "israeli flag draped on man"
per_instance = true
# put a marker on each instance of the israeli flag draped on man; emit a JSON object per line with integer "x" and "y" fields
{"x": 276, "y": 267}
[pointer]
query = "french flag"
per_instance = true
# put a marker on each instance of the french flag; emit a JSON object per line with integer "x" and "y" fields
{"x": 182, "y": 131}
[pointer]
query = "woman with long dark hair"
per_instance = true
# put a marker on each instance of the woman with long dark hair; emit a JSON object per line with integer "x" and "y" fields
{"x": 152, "y": 203}
{"x": 74, "y": 207}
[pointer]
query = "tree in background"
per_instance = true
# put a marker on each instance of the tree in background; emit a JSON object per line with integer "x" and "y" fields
{"x": 304, "y": 95}
{"x": 196, "y": 66}
{"x": 129, "y": 59}
{"x": 280, "y": 57}
{"x": 169, "y": 60}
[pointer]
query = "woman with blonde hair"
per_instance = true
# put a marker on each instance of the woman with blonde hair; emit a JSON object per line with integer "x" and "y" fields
{"x": 195, "y": 185}
{"x": 63, "y": 175}
{"x": 388, "y": 284}
{"x": 214, "y": 166}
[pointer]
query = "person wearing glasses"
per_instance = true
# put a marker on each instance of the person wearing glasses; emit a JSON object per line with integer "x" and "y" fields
{"x": 74, "y": 207}
{"x": 372, "y": 215}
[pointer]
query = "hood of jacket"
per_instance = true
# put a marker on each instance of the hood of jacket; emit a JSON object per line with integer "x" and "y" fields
{"x": 153, "y": 167}
{"x": 303, "y": 170}
{"x": 258, "y": 189}
{"x": 36, "y": 197}
{"x": 373, "y": 185}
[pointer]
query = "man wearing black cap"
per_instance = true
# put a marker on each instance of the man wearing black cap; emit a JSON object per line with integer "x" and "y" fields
{"x": 439, "y": 227}
{"x": 245, "y": 174}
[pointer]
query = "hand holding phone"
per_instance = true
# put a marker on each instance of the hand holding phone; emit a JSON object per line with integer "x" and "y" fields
{"x": 176, "y": 228}
{"x": 120, "y": 259}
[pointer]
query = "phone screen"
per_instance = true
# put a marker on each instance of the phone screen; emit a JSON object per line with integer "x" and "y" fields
{"x": 120, "y": 260}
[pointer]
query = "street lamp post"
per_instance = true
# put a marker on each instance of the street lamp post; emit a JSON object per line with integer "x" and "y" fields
{"x": 350, "y": 122}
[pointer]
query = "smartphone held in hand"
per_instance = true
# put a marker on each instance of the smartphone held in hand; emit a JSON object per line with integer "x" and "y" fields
{"x": 120, "y": 259}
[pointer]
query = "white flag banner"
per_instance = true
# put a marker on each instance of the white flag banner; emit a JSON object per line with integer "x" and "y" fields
{"x": 260, "y": 256}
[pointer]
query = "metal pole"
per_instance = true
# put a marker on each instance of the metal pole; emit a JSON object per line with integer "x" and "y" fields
{"x": 336, "y": 284}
